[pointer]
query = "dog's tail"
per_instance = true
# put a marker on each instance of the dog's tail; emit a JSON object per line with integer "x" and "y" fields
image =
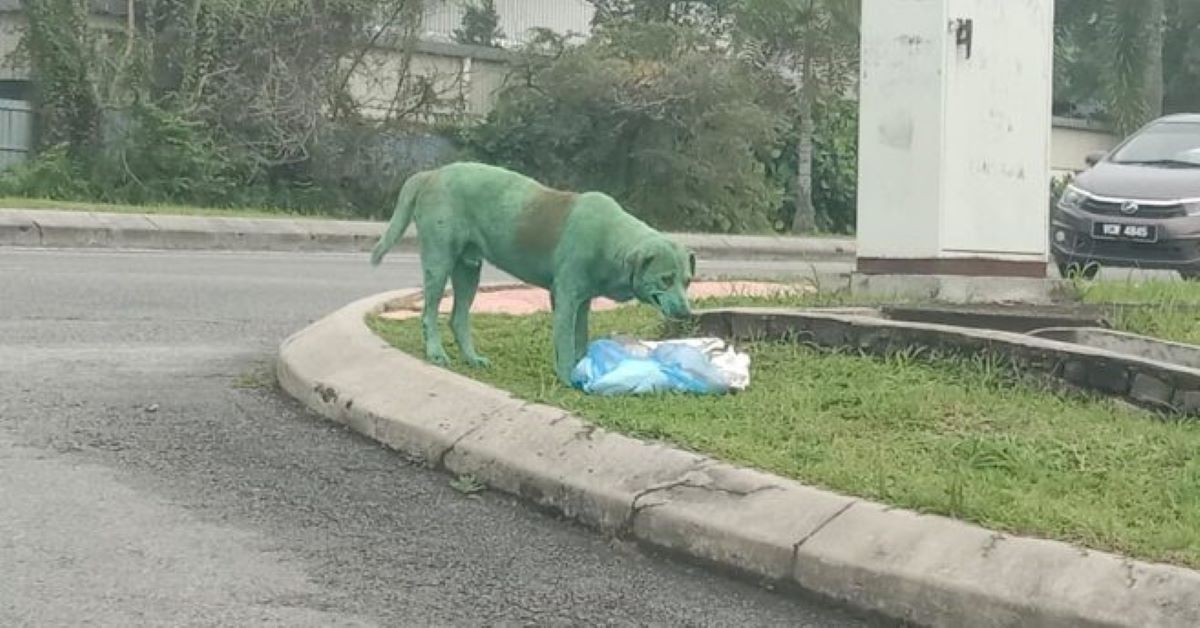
{"x": 401, "y": 217}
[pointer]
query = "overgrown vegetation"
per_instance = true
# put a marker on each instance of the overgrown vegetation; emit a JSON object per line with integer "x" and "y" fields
{"x": 647, "y": 113}
{"x": 1126, "y": 62}
{"x": 970, "y": 439}
{"x": 1163, "y": 309}
{"x": 243, "y": 103}
{"x": 715, "y": 115}
{"x": 226, "y": 104}
{"x": 480, "y": 25}
{"x": 694, "y": 114}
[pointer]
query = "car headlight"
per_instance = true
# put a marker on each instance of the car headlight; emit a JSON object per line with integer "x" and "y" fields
{"x": 1072, "y": 198}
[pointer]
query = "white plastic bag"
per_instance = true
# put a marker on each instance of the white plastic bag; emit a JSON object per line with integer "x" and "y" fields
{"x": 626, "y": 366}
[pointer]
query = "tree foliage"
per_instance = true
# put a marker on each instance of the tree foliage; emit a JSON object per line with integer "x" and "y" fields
{"x": 834, "y": 168}
{"x": 216, "y": 102}
{"x": 710, "y": 16}
{"x": 691, "y": 112}
{"x": 1127, "y": 62}
{"x": 61, "y": 47}
{"x": 480, "y": 25}
{"x": 652, "y": 114}
{"x": 815, "y": 42}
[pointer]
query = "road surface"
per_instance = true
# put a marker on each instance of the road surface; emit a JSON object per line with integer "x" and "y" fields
{"x": 150, "y": 473}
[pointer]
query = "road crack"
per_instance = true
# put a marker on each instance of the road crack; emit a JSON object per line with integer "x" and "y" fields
{"x": 686, "y": 480}
{"x": 440, "y": 463}
{"x": 821, "y": 526}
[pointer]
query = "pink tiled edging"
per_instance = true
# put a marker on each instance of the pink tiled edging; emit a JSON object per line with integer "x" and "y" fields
{"x": 520, "y": 300}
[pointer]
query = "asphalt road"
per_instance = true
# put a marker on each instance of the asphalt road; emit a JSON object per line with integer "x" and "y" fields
{"x": 151, "y": 473}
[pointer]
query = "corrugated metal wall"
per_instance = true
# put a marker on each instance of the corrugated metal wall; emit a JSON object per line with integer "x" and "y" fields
{"x": 516, "y": 17}
{"x": 16, "y": 132}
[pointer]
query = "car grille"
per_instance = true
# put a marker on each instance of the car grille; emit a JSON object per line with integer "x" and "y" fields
{"x": 1168, "y": 251}
{"x": 1113, "y": 208}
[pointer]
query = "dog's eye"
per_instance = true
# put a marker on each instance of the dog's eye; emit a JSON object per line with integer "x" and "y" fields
{"x": 668, "y": 281}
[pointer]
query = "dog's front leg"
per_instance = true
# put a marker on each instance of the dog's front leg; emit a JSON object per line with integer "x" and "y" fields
{"x": 581, "y": 329}
{"x": 567, "y": 305}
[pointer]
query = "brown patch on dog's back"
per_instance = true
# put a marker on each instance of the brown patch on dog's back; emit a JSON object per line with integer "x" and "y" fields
{"x": 429, "y": 179}
{"x": 543, "y": 217}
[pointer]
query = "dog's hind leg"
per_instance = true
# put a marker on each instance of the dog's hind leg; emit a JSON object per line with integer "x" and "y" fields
{"x": 436, "y": 266}
{"x": 465, "y": 281}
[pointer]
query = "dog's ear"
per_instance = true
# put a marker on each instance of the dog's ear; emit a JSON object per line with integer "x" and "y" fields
{"x": 643, "y": 264}
{"x": 635, "y": 264}
{"x": 639, "y": 262}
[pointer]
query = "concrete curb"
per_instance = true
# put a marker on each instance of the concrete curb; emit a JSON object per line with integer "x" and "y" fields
{"x": 54, "y": 229}
{"x": 67, "y": 229}
{"x": 1141, "y": 380}
{"x": 924, "y": 569}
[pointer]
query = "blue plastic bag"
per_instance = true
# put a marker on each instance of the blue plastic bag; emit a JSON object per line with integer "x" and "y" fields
{"x": 610, "y": 368}
{"x": 689, "y": 370}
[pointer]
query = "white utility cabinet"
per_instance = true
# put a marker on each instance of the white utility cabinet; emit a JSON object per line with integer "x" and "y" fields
{"x": 954, "y": 136}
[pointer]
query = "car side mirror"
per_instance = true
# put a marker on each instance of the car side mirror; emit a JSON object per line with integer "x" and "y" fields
{"x": 1094, "y": 157}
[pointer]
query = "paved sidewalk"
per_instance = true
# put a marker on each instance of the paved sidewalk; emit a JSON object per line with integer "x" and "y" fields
{"x": 522, "y": 300}
{"x": 79, "y": 229}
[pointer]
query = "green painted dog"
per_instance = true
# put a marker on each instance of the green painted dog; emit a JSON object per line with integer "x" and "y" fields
{"x": 577, "y": 246}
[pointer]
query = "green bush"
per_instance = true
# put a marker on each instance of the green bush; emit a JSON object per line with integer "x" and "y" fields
{"x": 835, "y": 169}
{"x": 649, "y": 113}
{"x": 151, "y": 155}
{"x": 160, "y": 156}
{"x": 55, "y": 174}
{"x": 685, "y": 137}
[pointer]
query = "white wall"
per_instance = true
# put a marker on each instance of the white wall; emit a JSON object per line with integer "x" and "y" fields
{"x": 1071, "y": 142}
{"x": 516, "y": 18}
{"x": 466, "y": 77}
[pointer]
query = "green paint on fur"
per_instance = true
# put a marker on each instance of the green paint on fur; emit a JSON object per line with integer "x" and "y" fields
{"x": 578, "y": 246}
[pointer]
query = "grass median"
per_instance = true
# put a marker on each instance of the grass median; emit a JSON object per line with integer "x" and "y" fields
{"x": 965, "y": 438}
{"x": 1163, "y": 309}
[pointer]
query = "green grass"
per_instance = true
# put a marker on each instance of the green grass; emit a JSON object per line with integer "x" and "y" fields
{"x": 166, "y": 210}
{"x": 967, "y": 439}
{"x": 1164, "y": 309}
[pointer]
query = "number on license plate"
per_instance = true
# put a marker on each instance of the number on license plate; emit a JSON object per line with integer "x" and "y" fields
{"x": 1129, "y": 231}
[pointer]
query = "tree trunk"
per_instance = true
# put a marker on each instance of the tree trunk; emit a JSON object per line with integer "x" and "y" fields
{"x": 1156, "y": 17}
{"x": 805, "y": 218}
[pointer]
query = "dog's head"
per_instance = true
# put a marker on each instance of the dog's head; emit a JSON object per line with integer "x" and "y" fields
{"x": 660, "y": 272}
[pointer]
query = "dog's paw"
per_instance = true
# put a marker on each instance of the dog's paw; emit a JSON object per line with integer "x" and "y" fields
{"x": 478, "y": 362}
{"x": 438, "y": 358}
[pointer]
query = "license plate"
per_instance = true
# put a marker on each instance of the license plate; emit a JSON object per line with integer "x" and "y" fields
{"x": 1119, "y": 231}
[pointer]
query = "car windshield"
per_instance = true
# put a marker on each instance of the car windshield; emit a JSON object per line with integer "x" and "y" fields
{"x": 1164, "y": 143}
